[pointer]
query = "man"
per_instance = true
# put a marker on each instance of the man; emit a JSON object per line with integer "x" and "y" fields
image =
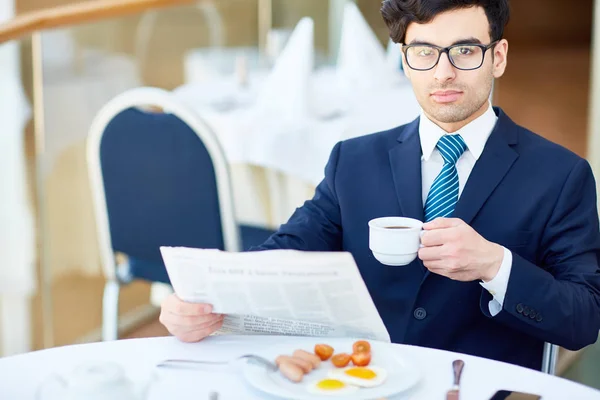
{"x": 510, "y": 252}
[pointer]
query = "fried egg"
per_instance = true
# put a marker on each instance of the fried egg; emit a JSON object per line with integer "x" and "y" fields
{"x": 370, "y": 376}
{"x": 332, "y": 387}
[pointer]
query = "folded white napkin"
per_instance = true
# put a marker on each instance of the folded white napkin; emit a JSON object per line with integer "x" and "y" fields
{"x": 362, "y": 61}
{"x": 286, "y": 89}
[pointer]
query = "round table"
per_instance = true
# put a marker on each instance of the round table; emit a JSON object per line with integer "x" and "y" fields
{"x": 481, "y": 377}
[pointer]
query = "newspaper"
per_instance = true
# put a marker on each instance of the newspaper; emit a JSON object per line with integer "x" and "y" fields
{"x": 281, "y": 292}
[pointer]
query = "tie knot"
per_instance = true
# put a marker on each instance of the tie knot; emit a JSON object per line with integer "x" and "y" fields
{"x": 451, "y": 147}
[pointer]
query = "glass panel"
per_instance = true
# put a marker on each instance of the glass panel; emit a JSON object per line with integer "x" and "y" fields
{"x": 212, "y": 56}
{"x": 83, "y": 68}
{"x": 17, "y": 202}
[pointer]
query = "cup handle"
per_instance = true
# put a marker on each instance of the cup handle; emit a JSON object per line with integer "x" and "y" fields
{"x": 420, "y": 237}
{"x": 51, "y": 379}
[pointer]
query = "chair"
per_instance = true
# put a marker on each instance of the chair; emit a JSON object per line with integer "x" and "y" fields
{"x": 550, "y": 358}
{"x": 158, "y": 177}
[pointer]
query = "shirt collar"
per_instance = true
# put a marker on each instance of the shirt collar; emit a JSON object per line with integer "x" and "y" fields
{"x": 475, "y": 133}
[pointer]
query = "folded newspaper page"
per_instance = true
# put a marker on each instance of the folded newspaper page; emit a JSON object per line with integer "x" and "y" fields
{"x": 281, "y": 292}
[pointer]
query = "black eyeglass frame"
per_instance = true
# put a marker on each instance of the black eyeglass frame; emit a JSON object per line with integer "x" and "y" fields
{"x": 484, "y": 48}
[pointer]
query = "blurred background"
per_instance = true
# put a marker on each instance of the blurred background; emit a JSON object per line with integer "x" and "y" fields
{"x": 278, "y": 82}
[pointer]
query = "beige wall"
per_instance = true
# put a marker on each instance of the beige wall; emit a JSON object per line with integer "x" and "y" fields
{"x": 287, "y": 13}
{"x": 533, "y": 22}
{"x": 550, "y": 23}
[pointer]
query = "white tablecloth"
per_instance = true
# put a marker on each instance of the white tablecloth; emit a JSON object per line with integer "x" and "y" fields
{"x": 291, "y": 152}
{"x": 298, "y": 148}
{"x": 20, "y": 375}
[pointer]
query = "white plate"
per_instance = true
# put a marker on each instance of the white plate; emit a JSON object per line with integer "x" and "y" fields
{"x": 402, "y": 374}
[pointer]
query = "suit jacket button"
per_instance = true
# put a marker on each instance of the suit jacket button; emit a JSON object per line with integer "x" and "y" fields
{"x": 520, "y": 308}
{"x": 532, "y": 314}
{"x": 539, "y": 318}
{"x": 420, "y": 313}
{"x": 526, "y": 311}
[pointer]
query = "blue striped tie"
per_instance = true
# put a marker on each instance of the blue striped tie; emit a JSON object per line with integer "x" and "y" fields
{"x": 443, "y": 195}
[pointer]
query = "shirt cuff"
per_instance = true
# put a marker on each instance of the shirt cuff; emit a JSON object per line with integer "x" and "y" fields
{"x": 497, "y": 287}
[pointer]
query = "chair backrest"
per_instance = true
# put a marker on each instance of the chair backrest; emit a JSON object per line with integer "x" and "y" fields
{"x": 158, "y": 177}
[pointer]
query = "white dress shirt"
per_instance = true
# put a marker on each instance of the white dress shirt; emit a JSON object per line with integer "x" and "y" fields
{"x": 475, "y": 135}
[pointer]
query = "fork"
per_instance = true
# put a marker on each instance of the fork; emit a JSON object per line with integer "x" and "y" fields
{"x": 252, "y": 358}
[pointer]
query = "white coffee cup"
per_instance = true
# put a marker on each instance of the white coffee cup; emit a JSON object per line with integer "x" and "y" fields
{"x": 395, "y": 241}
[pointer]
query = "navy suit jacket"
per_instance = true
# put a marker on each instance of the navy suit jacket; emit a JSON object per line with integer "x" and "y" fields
{"x": 526, "y": 193}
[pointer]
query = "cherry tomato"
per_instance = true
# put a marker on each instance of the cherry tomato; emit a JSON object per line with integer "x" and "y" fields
{"x": 362, "y": 346}
{"x": 361, "y": 359}
{"x": 341, "y": 360}
{"x": 324, "y": 351}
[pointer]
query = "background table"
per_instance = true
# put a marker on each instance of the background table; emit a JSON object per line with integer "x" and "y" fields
{"x": 291, "y": 152}
{"x": 20, "y": 375}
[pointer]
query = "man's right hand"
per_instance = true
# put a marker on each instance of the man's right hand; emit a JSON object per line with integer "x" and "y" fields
{"x": 189, "y": 322}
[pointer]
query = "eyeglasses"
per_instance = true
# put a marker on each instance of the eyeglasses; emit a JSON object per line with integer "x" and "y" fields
{"x": 466, "y": 57}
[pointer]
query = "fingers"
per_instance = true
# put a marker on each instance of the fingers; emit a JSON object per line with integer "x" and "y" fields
{"x": 188, "y": 321}
{"x": 200, "y": 333}
{"x": 178, "y": 307}
{"x": 440, "y": 231}
{"x": 441, "y": 223}
{"x": 437, "y": 266}
{"x": 194, "y": 333}
{"x": 427, "y": 254}
{"x": 436, "y": 237}
{"x": 449, "y": 270}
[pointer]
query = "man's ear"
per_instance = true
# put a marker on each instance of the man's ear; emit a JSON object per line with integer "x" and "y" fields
{"x": 500, "y": 58}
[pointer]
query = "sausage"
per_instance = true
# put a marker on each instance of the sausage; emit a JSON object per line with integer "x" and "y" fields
{"x": 310, "y": 357}
{"x": 291, "y": 371}
{"x": 306, "y": 366}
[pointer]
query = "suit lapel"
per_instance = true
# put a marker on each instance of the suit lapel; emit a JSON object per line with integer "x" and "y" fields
{"x": 405, "y": 160}
{"x": 496, "y": 160}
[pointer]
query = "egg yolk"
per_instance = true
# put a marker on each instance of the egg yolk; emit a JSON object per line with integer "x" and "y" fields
{"x": 361, "y": 373}
{"x": 330, "y": 384}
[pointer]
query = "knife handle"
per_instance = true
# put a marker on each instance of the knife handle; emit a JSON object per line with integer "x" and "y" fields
{"x": 457, "y": 365}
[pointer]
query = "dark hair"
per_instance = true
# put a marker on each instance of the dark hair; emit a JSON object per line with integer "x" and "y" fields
{"x": 398, "y": 14}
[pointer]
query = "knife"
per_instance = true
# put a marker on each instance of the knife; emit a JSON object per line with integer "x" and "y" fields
{"x": 454, "y": 393}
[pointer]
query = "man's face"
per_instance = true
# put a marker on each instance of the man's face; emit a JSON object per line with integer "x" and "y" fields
{"x": 449, "y": 95}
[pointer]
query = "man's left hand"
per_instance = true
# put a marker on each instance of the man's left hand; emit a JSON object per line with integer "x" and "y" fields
{"x": 453, "y": 249}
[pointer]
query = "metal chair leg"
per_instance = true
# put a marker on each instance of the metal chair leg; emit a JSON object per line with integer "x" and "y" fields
{"x": 110, "y": 311}
{"x": 550, "y": 358}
